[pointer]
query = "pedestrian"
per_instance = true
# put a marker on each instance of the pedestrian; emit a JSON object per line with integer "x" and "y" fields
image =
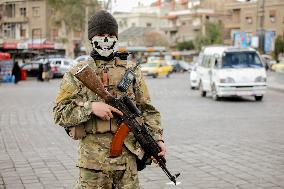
{"x": 16, "y": 72}
{"x": 40, "y": 72}
{"x": 82, "y": 112}
{"x": 46, "y": 72}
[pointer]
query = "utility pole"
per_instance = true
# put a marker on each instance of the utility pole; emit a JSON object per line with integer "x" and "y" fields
{"x": 85, "y": 38}
{"x": 261, "y": 29}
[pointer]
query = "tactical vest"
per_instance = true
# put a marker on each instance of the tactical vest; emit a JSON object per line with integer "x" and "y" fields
{"x": 110, "y": 73}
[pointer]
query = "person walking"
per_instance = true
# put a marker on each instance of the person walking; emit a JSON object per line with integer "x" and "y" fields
{"x": 40, "y": 72}
{"x": 86, "y": 117}
{"x": 16, "y": 72}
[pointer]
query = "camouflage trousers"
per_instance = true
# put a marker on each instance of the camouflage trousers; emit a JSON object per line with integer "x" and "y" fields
{"x": 116, "y": 179}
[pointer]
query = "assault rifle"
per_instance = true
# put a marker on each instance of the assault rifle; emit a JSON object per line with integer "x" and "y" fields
{"x": 131, "y": 117}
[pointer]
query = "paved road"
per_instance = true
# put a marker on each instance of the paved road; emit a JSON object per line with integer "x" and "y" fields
{"x": 235, "y": 143}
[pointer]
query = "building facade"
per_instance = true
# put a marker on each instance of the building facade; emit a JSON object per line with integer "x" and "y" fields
{"x": 188, "y": 18}
{"x": 255, "y": 17}
{"x": 29, "y": 26}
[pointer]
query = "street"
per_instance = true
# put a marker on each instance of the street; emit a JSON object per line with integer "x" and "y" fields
{"x": 233, "y": 143}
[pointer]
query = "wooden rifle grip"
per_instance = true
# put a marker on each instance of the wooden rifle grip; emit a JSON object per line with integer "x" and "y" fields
{"x": 118, "y": 139}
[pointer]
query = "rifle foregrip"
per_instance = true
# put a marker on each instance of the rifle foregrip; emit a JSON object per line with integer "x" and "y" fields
{"x": 118, "y": 139}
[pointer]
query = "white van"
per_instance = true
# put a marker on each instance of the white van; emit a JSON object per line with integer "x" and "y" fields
{"x": 228, "y": 71}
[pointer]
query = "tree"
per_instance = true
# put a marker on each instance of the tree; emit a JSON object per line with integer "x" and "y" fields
{"x": 279, "y": 47}
{"x": 214, "y": 33}
{"x": 213, "y": 36}
{"x": 185, "y": 45}
{"x": 70, "y": 15}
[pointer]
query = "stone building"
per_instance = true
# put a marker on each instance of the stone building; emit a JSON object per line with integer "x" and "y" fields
{"x": 27, "y": 27}
{"x": 252, "y": 16}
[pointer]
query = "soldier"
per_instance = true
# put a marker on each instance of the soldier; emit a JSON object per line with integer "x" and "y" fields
{"x": 87, "y": 118}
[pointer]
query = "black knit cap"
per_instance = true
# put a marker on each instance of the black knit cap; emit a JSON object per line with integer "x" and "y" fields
{"x": 102, "y": 23}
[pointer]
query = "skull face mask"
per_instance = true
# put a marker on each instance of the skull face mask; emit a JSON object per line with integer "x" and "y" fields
{"x": 104, "y": 45}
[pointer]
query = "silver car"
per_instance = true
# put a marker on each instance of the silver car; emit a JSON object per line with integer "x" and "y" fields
{"x": 59, "y": 66}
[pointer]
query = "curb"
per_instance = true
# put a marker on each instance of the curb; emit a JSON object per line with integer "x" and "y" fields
{"x": 276, "y": 89}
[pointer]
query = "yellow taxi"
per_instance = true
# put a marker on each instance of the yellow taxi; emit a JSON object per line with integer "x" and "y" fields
{"x": 279, "y": 66}
{"x": 156, "y": 68}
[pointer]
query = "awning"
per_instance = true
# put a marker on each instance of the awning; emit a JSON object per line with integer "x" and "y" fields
{"x": 36, "y": 44}
{"x": 32, "y": 44}
{"x": 7, "y": 45}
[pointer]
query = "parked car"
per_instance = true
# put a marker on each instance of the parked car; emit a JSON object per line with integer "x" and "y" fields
{"x": 82, "y": 58}
{"x": 193, "y": 77}
{"x": 227, "y": 71}
{"x": 59, "y": 66}
{"x": 279, "y": 66}
{"x": 32, "y": 69}
{"x": 179, "y": 65}
{"x": 186, "y": 66}
{"x": 156, "y": 68}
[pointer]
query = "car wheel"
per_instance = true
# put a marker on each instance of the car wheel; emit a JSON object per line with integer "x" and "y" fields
{"x": 202, "y": 92}
{"x": 258, "y": 98}
{"x": 192, "y": 88}
{"x": 214, "y": 93}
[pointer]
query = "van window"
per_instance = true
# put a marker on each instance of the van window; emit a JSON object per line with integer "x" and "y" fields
{"x": 66, "y": 63}
{"x": 206, "y": 61}
{"x": 57, "y": 62}
{"x": 241, "y": 60}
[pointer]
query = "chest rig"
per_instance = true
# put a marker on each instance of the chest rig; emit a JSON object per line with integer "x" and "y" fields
{"x": 110, "y": 72}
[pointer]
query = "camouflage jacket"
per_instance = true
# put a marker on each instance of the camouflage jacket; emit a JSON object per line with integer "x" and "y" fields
{"x": 73, "y": 108}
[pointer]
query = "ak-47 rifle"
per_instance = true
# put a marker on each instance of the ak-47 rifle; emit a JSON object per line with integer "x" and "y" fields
{"x": 131, "y": 117}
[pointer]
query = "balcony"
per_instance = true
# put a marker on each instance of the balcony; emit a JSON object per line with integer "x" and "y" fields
{"x": 170, "y": 29}
{"x": 232, "y": 25}
{"x": 15, "y": 19}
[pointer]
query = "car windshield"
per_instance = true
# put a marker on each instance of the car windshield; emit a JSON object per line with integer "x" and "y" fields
{"x": 241, "y": 60}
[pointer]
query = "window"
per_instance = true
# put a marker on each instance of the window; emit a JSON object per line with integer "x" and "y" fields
{"x": 10, "y": 10}
{"x": 23, "y": 11}
{"x": 249, "y": 20}
{"x": 272, "y": 15}
{"x": 206, "y": 61}
{"x": 66, "y": 63}
{"x": 57, "y": 62}
{"x": 36, "y": 11}
{"x": 54, "y": 34}
{"x": 148, "y": 24}
{"x": 77, "y": 34}
{"x": 23, "y": 33}
{"x": 36, "y": 33}
{"x": 120, "y": 24}
{"x": 241, "y": 60}
{"x": 9, "y": 30}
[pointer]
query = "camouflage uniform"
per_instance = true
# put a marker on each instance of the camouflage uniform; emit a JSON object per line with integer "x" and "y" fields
{"x": 73, "y": 108}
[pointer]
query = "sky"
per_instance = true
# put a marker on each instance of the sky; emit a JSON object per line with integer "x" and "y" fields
{"x": 126, "y": 5}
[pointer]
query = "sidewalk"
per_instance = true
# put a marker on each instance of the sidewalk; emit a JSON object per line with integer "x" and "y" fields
{"x": 275, "y": 81}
